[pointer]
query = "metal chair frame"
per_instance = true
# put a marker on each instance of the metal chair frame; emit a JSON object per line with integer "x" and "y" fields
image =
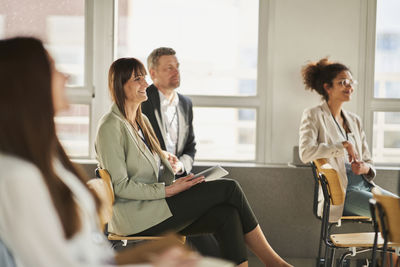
{"x": 325, "y": 229}
{"x": 325, "y": 224}
{"x": 378, "y": 211}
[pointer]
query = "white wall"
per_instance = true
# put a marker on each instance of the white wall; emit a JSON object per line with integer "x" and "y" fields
{"x": 301, "y": 31}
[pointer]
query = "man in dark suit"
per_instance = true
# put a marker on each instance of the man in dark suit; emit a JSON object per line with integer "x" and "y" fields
{"x": 171, "y": 115}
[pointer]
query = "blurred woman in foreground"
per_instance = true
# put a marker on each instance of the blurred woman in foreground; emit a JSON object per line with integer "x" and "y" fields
{"x": 48, "y": 217}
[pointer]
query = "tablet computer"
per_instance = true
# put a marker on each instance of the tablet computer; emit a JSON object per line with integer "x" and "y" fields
{"x": 212, "y": 173}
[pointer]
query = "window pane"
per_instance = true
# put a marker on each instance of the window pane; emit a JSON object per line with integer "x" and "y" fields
{"x": 73, "y": 130}
{"x": 225, "y": 133}
{"x": 386, "y": 143}
{"x": 60, "y": 24}
{"x": 387, "y": 55}
{"x": 215, "y": 41}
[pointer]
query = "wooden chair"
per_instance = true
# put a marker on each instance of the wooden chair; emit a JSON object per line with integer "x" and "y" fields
{"x": 335, "y": 189}
{"x": 354, "y": 242}
{"x": 103, "y": 188}
{"x": 386, "y": 211}
{"x": 336, "y": 197}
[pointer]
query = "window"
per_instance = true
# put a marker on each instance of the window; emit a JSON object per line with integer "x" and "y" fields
{"x": 225, "y": 133}
{"x": 387, "y": 136}
{"x": 73, "y": 130}
{"x": 218, "y": 55}
{"x": 61, "y": 26}
{"x": 217, "y": 47}
{"x": 385, "y": 103}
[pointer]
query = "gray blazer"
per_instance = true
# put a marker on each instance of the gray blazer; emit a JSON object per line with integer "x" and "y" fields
{"x": 138, "y": 188}
{"x": 319, "y": 138}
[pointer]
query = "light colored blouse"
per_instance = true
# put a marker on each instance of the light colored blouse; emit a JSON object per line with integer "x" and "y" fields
{"x": 169, "y": 113}
{"x": 30, "y": 226}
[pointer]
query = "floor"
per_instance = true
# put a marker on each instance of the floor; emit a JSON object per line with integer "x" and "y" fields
{"x": 254, "y": 262}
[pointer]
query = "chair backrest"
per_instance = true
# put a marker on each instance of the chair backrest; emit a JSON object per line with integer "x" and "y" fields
{"x": 100, "y": 187}
{"x": 390, "y": 206}
{"x": 106, "y": 177}
{"x": 337, "y": 195}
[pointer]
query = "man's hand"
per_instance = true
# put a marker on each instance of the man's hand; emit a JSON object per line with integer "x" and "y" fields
{"x": 359, "y": 167}
{"x": 174, "y": 161}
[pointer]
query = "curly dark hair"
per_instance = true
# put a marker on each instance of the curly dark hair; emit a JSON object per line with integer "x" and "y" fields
{"x": 316, "y": 74}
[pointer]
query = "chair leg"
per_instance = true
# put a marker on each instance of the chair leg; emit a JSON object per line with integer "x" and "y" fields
{"x": 329, "y": 256}
{"x": 332, "y": 256}
{"x": 329, "y": 251}
{"x": 391, "y": 260}
{"x": 343, "y": 258}
{"x": 319, "y": 262}
{"x": 384, "y": 254}
{"x": 324, "y": 232}
{"x": 321, "y": 237}
{"x": 374, "y": 250}
{"x": 115, "y": 244}
{"x": 326, "y": 259}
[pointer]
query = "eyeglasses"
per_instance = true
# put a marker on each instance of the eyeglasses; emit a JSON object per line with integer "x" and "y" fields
{"x": 348, "y": 82}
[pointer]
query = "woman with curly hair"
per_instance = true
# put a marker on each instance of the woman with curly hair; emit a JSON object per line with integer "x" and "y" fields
{"x": 328, "y": 131}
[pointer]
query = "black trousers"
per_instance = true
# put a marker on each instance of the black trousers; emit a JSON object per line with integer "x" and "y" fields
{"x": 205, "y": 244}
{"x": 219, "y": 207}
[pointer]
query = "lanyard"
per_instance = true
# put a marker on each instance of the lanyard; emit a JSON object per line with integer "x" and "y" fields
{"x": 168, "y": 124}
{"x": 340, "y": 129}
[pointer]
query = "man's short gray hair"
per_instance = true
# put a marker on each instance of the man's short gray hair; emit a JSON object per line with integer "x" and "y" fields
{"x": 154, "y": 57}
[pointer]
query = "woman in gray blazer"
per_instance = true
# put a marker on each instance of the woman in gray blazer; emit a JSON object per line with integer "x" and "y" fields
{"x": 328, "y": 131}
{"x": 148, "y": 201}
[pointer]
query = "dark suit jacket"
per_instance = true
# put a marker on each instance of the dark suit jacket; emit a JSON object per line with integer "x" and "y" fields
{"x": 186, "y": 146}
{"x": 186, "y": 150}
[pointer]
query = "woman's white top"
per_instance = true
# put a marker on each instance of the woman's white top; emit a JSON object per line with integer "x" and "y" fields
{"x": 31, "y": 230}
{"x": 30, "y": 226}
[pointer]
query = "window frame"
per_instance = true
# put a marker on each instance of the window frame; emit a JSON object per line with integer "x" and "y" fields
{"x": 259, "y": 102}
{"x": 99, "y": 43}
{"x": 371, "y": 103}
{"x": 100, "y": 32}
{"x": 85, "y": 94}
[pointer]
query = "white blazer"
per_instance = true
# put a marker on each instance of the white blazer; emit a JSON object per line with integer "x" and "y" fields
{"x": 319, "y": 138}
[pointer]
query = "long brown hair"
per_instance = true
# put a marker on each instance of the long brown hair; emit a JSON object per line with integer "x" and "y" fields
{"x": 120, "y": 72}
{"x": 27, "y": 128}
